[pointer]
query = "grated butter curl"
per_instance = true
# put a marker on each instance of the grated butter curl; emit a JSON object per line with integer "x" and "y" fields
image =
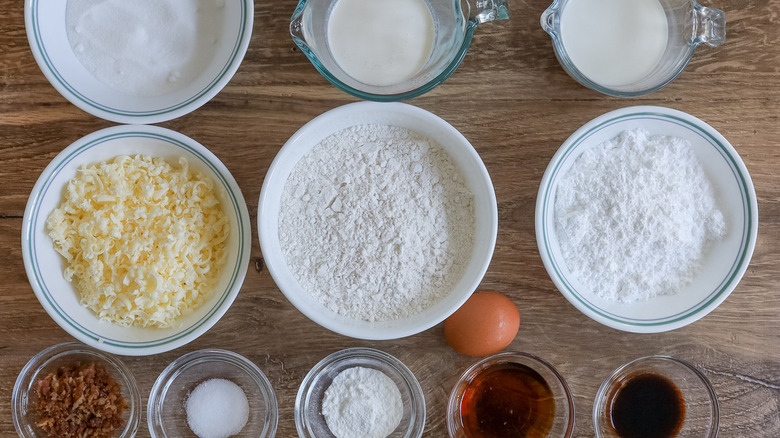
{"x": 144, "y": 241}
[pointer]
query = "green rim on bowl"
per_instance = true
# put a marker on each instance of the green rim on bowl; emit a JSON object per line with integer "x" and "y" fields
{"x": 738, "y": 177}
{"x": 52, "y": 299}
{"x": 162, "y": 110}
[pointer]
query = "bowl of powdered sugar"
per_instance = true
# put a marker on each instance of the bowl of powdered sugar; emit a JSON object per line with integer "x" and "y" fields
{"x": 144, "y": 61}
{"x": 377, "y": 221}
{"x": 646, "y": 219}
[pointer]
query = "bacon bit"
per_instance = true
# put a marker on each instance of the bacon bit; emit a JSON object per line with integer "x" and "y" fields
{"x": 81, "y": 401}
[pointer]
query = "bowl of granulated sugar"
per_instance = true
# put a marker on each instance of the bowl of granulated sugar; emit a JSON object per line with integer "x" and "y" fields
{"x": 646, "y": 219}
{"x": 377, "y": 220}
{"x": 139, "y": 62}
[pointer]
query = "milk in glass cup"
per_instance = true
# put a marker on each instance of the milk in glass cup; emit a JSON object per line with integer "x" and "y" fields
{"x": 389, "y": 50}
{"x": 629, "y": 48}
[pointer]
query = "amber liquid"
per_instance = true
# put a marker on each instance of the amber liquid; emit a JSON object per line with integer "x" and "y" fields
{"x": 646, "y": 406}
{"x": 507, "y": 400}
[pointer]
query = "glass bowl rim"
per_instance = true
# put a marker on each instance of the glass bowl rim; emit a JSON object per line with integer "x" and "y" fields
{"x": 532, "y": 361}
{"x": 685, "y": 365}
{"x": 186, "y": 361}
{"x": 417, "y": 397}
{"x": 47, "y": 356}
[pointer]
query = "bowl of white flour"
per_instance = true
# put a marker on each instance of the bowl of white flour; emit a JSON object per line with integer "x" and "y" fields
{"x": 646, "y": 219}
{"x": 143, "y": 62}
{"x": 377, "y": 221}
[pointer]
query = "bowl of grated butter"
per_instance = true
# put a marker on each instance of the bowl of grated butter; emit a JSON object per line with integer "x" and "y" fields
{"x": 646, "y": 219}
{"x": 136, "y": 239}
{"x": 377, "y": 220}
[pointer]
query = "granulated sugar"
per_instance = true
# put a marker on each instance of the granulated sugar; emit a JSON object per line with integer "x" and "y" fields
{"x": 377, "y": 222}
{"x": 634, "y": 216}
{"x": 144, "y": 47}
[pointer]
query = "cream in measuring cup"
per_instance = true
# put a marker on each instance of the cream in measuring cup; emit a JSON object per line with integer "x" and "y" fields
{"x": 380, "y": 42}
{"x": 629, "y": 47}
{"x": 389, "y": 50}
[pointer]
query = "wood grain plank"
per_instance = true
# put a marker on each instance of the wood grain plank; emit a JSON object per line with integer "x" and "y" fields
{"x": 516, "y": 105}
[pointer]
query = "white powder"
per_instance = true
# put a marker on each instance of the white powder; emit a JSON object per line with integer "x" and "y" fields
{"x": 634, "y": 216}
{"x": 362, "y": 403}
{"x": 217, "y": 408}
{"x": 377, "y": 223}
{"x": 144, "y": 47}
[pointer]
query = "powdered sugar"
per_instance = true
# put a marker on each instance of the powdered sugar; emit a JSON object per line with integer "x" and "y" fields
{"x": 634, "y": 216}
{"x": 377, "y": 222}
{"x": 362, "y": 403}
{"x": 144, "y": 47}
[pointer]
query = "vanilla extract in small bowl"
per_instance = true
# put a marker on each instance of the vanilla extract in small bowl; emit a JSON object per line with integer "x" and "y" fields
{"x": 646, "y": 405}
{"x": 656, "y": 397}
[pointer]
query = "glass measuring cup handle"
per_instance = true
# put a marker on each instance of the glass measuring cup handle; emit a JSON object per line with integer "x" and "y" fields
{"x": 488, "y": 10}
{"x": 709, "y": 26}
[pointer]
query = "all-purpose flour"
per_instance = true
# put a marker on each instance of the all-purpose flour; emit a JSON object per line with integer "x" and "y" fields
{"x": 377, "y": 222}
{"x": 362, "y": 403}
{"x": 144, "y": 47}
{"x": 634, "y": 216}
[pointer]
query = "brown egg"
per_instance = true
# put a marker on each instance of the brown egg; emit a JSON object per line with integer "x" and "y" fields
{"x": 484, "y": 325}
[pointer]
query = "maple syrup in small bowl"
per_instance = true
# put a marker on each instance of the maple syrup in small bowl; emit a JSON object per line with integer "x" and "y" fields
{"x": 510, "y": 394}
{"x": 656, "y": 397}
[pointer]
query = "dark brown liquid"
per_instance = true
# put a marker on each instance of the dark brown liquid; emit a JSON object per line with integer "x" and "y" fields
{"x": 507, "y": 400}
{"x": 647, "y": 406}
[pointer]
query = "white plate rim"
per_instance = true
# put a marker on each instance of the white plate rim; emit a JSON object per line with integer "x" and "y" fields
{"x": 119, "y": 115}
{"x": 44, "y": 295}
{"x": 334, "y": 115}
{"x": 742, "y": 259}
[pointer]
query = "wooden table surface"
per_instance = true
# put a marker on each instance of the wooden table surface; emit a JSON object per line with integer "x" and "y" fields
{"x": 512, "y": 100}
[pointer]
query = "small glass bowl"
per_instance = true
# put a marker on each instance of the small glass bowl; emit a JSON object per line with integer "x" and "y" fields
{"x": 702, "y": 412}
{"x": 24, "y": 395}
{"x": 563, "y": 421}
{"x": 166, "y": 413}
{"x": 308, "y": 404}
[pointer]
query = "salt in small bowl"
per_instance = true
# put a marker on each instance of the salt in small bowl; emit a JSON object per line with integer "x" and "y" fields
{"x": 166, "y": 412}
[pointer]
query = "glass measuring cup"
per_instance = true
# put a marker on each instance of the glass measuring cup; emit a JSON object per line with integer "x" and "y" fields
{"x": 688, "y": 25}
{"x": 454, "y": 24}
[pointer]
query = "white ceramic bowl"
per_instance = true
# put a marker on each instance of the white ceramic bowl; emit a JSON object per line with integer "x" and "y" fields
{"x": 724, "y": 263}
{"x": 47, "y": 35}
{"x": 396, "y": 114}
{"x": 44, "y": 265}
